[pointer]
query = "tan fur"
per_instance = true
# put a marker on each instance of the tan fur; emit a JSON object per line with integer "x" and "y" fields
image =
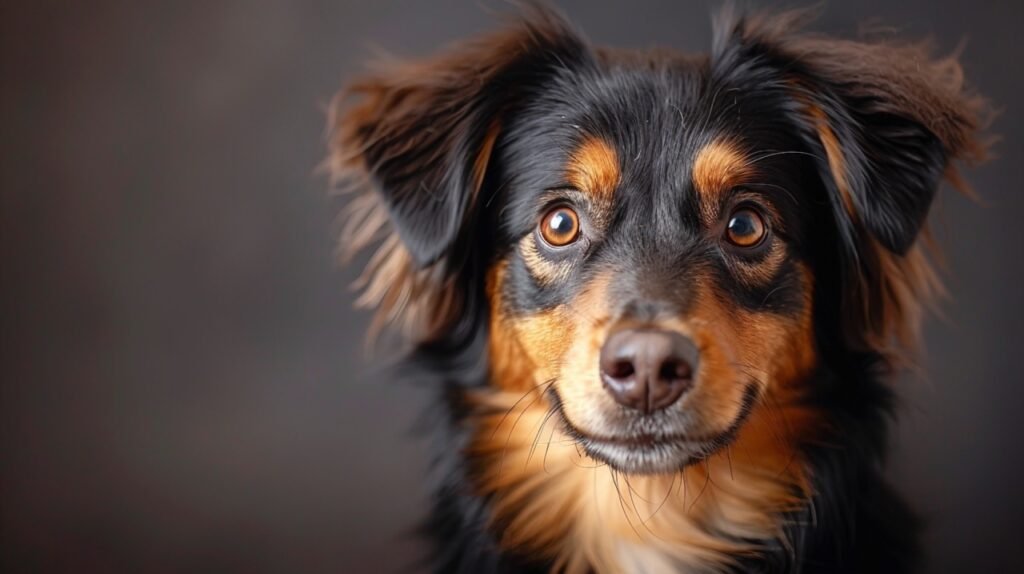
{"x": 483, "y": 155}
{"x": 543, "y": 269}
{"x": 718, "y": 167}
{"x": 593, "y": 168}
{"x": 906, "y": 286}
{"x": 413, "y": 300}
{"x": 836, "y": 162}
{"x": 550, "y": 498}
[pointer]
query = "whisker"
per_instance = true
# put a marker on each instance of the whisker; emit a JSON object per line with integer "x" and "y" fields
{"x": 772, "y": 154}
{"x": 508, "y": 439}
{"x": 791, "y": 195}
{"x": 638, "y": 495}
{"x": 536, "y": 438}
{"x": 686, "y": 488}
{"x": 772, "y": 292}
{"x": 622, "y": 504}
{"x": 516, "y": 404}
{"x": 547, "y": 448}
{"x": 707, "y": 478}
{"x": 711, "y": 110}
{"x": 631, "y": 491}
{"x": 668, "y": 493}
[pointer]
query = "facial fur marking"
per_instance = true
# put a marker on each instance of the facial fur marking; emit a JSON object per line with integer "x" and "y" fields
{"x": 719, "y": 166}
{"x": 544, "y": 270}
{"x": 594, "y": 168}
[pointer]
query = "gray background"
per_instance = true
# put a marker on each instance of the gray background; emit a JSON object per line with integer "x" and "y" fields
{"x": 183, "y": 383}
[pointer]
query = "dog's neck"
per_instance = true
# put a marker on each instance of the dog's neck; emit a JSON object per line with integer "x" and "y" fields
{"x": 548, "y": 498}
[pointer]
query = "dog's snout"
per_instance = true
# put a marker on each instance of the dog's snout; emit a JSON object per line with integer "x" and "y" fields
{"x": 647, "y": 369}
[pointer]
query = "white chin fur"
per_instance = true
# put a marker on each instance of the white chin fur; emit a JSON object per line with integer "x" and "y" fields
{"x": 659, "y": 458}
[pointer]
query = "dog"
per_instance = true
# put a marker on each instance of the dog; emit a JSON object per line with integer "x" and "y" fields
{"x": 659, "y": 296}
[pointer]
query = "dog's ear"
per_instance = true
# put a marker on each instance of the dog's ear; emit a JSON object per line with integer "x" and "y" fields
{"x": 886, "y": 120}
{"x": 423, "y": 131}
{"x": 886, "y": 123}
{"x": 415, "y": 139}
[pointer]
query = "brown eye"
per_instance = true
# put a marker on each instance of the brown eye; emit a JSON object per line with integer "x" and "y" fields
{"x": 746, "y": 228}
{"x": 560, "y": 226}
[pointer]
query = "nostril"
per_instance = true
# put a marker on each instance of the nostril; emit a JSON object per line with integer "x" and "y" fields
{"x": 675, "y": 370}
{"x": 621, "y": 370}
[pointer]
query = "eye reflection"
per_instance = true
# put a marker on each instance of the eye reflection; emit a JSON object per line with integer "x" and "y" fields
{"x": 746, "y": 228}
{"x": 560, "y": 226}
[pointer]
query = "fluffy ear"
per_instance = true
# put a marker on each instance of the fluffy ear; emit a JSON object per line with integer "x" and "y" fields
{"x": 423, "y": 131}
{"x": 886, "y": 123}
{"x": 886, "y": 120}
{"x": 414, "y": 139}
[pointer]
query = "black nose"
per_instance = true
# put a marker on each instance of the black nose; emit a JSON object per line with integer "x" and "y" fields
{"x": 647, "y": 369}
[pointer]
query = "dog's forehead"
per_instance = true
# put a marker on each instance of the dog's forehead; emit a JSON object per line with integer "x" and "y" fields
{"x": 653, "y": 117}
{"x": 659, "y": 129}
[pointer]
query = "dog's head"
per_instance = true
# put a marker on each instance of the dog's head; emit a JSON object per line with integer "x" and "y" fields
{"x": 656, "y": 242}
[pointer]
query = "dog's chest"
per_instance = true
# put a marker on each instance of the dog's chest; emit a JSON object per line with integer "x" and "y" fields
{"x": 646, "y": 560}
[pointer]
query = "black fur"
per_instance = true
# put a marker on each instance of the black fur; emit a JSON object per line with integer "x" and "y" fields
{"x": 545, "y": 87}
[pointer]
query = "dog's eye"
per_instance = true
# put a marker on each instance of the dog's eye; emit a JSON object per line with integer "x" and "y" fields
{"x": 746, "y": 228}
{"x": 560, "y": 226}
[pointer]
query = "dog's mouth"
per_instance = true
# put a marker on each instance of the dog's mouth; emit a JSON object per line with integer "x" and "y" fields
{"x": 655, "y": 452}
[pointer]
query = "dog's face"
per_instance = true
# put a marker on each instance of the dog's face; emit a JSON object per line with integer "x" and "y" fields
{"x": 658, "y": 244}
{"x": 652, "y": 262}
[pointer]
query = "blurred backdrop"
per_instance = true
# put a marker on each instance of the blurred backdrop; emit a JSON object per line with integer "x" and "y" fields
{"x": 183, "y": 382}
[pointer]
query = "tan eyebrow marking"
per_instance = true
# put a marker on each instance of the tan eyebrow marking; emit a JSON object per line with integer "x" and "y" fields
{"x": 719, "y": 166}
{"x": 594, "y": 168}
